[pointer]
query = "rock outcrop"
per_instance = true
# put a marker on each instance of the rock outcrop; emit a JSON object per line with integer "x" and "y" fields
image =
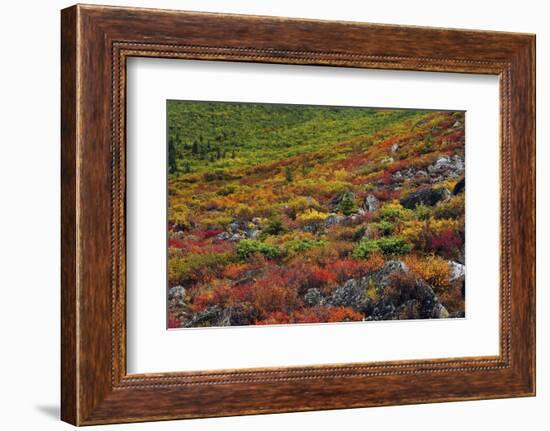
{"x": 426, "y": 196}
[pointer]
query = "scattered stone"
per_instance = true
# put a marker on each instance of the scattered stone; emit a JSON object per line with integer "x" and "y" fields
{"x": 371, "y": 203}
{"x": 453, "y": 165}
{"x": 351, "y": 294}
{"x": 313, "y": 297}
{"x": 439, "y": 312}
{"x": 334, "y": 219}
{"x": 443, "y": 169}
{"x": 234, "y": 227}
{"x": 420, "y": 123}
{"x": 224, "y": 236}
{"x": 210, "y": 317}
{"x": 176, "y": 296}
{"x": 253, "y": 233}
{"x": 458, "y": 270}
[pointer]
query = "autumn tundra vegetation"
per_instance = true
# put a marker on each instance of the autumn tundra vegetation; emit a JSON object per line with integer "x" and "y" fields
{"x": 287, "y": 214}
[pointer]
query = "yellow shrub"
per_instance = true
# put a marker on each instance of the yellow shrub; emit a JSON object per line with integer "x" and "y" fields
{"x": 433, "y": 269}
{"x": 311, "y": 216}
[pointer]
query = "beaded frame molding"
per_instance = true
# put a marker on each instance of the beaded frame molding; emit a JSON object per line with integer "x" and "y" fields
{"x": 95, "y": 43}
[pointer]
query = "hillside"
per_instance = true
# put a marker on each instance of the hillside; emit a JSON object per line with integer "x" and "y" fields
{"x": 248, "y": 134}
{"x": 285, "y": 214}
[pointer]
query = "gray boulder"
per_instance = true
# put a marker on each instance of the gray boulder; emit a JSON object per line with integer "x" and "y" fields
{"x": 224, "y": 236}
{"x": 458, "y": 270}
{"x": 334, "y": 219}
{"x": 426, "y": 196}
{"x": 371, "y": 203}
{"x": 313, "y": 297}
{"x": 176, "y": 296}
{"x": 439, "y": 312}
{"x": 351, "y": 294}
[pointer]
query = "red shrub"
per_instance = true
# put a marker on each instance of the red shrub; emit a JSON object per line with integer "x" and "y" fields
{"x": 173, "y": 323}
{"x": 277, "y": 317}
{"x": 176, "y": 243}
{"x": 311, "y": 315}
{"x": 345, "y": 269}
{"x": 235, "y": 270}
{"x": 446, "y": 243}
{"x": 322, "y": 276}
{"x": 343, "y": 314}
{"x": 385, "y": 195}
{"x": 386, "y": 178}
{"x": 210, "y": 233}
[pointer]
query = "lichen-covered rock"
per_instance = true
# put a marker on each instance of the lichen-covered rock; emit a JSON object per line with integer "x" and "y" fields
{"x": 457, "y": 270}
{"x": 351, "y": 294}
{"x": 313, "y": 297}
{"x": 334, "y": 219}
{"x": 371, "y": 203}
{"x": 176, "y": 296}
{"x": 439, "y": 311}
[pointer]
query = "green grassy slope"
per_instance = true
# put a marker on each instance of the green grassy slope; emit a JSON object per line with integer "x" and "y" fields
{"x": 249, "y": 134}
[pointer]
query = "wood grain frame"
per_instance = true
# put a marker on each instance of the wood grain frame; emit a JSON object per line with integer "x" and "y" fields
{"x": 96, "y": 41}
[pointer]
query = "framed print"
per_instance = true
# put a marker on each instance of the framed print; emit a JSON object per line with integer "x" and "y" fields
{"x": 265, "y": 208}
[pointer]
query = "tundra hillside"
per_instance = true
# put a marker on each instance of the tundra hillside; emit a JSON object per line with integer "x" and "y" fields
{"x": 282, "y": 214}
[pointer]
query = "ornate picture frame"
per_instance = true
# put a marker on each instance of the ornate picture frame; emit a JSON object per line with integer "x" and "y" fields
{"x": 96, "y": 42}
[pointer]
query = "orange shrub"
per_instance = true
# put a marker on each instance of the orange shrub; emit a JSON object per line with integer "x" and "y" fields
{"x": 274, "y": 318}
{"x": 433, "y": 269}
{"x": 343, "y": 314}
{"x": 344, "y": 269}
{"x": 235, "y": 270}
{"x": 375, "y": 262}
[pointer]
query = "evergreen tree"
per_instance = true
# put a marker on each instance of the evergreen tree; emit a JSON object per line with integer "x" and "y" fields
{"x": 172, "y": 157}
{"x": 289, "y": 177}
{"x": 347, "y": 204}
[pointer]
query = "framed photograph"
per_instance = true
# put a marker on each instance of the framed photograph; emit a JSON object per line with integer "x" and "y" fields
{"x": 266, "y": 215}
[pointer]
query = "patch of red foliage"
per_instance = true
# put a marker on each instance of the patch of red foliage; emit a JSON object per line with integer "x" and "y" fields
{"x": 446, "y": 242}
{"x": 205, "y": 234}
{"x": 173, "y": 323}
{"x": 176, "y": 243}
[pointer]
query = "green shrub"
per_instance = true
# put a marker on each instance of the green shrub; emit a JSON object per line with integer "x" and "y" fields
{"x": 299, "y": 245}
{"x": 347, "y": 204}
{"x": 227, "y": 190}
{"x": 190, "y": 267}
{"x": 274, "y": 227}
{"x": 394, "y": 212}
{"x": 450, "y": 210}
{"x": 390, "y": 246}
{"x": 385, "y": 227}
{"x": 359, "y": 234}
{"x": 394, "y": 246}
{"x": 248, "y": 247}
{"x": 422, "y": 212}
{"x": 365, "y": 248}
